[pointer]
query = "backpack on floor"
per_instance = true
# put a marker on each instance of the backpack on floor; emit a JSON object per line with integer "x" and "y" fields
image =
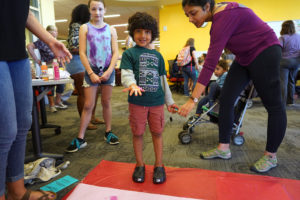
{"x": 184, "y": 56}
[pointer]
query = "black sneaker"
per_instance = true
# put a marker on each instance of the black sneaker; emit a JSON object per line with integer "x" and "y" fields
{"x": 111, "y": 138}
{"x": 138, "y": 175}
{"x": 159, "y": 175}
{"x": 75, "y": 145}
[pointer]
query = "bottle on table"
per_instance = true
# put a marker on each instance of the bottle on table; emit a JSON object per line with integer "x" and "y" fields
{"x": 44, "y": 72}
{"x": 55, "y": 70}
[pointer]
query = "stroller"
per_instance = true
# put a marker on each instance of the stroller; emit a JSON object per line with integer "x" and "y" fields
{"x": 210, "y": 115}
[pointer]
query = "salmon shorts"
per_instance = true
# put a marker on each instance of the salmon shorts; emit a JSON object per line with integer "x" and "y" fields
{"x": 140, "y": 115}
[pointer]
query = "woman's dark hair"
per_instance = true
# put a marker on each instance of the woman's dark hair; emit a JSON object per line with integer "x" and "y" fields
{"x": 287, "y": 27}
{"x": 80, "y": 14}
{"x": 142, "y": 20}
{"x": 201, "y": 3}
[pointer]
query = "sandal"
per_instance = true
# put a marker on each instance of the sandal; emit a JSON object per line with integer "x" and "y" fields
{"x": 44, "y": 196}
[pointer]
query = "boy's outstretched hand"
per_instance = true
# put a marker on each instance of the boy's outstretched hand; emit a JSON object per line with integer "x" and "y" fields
{"x": 134, "y": 89}
{"x": 173, "y": 108}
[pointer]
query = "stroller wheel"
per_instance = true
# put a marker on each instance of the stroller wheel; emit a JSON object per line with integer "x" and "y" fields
{"x": 238, "y": 140}
{"x": 185, "y": 137}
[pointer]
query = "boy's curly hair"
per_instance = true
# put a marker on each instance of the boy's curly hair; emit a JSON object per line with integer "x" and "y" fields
{"x": 142, "y": 20}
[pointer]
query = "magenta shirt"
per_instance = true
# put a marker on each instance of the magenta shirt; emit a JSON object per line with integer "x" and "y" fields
{"x": 238, "y": 29}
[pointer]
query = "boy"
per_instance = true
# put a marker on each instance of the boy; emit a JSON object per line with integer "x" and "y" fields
{"x": 214, "y": 89}
{"x": 143, "y": 74}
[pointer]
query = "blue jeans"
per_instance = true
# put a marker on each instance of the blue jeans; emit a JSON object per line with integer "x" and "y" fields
{"x": 214, "y": 92}
{"x": 15, "y": 119}
{"x": 288, "y": 73}
{"x": 188, "y": 72}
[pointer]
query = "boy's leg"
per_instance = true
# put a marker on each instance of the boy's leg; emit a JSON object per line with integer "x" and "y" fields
{"x": 156, "y": 124}
{"x": 138, "y": 143}
{"x": 158, "y": 148}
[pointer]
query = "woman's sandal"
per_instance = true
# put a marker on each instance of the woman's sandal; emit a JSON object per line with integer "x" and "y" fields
{"x": 45, "y": 196}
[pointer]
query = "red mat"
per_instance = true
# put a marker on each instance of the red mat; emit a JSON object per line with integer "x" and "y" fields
{"x": 195, "y": 183}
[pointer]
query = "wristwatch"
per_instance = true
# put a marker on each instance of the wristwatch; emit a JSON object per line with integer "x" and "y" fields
{"x": 195, "y": 100}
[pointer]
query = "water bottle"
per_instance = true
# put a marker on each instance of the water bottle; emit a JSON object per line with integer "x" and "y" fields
{"x": 44, "y": 72}
{"x": 55, "y": 70}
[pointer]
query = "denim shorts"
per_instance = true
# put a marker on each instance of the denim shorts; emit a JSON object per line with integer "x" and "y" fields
{"x": 87, "y": 81}
{"x": 75, "y": 66}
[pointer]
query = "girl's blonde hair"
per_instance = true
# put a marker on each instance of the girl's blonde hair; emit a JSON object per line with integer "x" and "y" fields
{"x": 102, "y": 1}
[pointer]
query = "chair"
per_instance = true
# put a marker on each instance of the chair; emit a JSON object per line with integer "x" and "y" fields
{"x": 175, "y": 76}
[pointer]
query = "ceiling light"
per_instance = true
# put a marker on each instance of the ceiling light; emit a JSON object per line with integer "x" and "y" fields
{"x": 136, "y": 0}
{"x": 61, "y": 20}
{"x": 110, "y": 16}
{"x": 118, "y": 25}
{"x": 126, "y": 31}
{"x": 121, "y": 40}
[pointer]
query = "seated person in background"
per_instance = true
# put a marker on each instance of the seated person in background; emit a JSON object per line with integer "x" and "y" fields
{"x": 47, "y": 56}
{"x": 214, "y": 88}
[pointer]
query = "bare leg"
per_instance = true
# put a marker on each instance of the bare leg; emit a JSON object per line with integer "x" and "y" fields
{"x": 51, "y": 101}
{"x": 158, "y": 148}
{"x": 89, "y": 93}
{"x": 138, "y": 149}
{"x": 106, "y": 91}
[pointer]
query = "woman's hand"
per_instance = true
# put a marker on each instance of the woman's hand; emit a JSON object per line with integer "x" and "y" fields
{"x": 186, "y": 108}
{"x": 173, "y": 108}
{"x": 60, "y": 51}
{"x": 134, "y": 89}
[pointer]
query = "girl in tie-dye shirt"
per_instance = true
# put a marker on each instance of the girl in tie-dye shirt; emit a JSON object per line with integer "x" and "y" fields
{"x": 98, "y": 50}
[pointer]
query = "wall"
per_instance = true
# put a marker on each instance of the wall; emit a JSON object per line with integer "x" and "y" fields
{"x": 47, "y": 13}
{"x": 179, "y": 29}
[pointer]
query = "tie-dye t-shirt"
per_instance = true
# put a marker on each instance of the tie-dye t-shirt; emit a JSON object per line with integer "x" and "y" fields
{"x": 98, "y": 47}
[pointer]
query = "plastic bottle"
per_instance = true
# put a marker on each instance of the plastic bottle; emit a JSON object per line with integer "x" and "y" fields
{"x": 55, "y": 70}
{"x": 44, "y": 72}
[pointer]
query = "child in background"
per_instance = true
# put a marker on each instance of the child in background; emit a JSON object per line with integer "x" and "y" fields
{"x": 144, "y": 76}
{"x": 98, "y": 50}
{"x": 214, "y": 89}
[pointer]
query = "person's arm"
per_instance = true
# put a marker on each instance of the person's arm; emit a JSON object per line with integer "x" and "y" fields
{"x": 58, "y": 48}
{"x": 115, "y": 55}
{"x": 30, "y": 48}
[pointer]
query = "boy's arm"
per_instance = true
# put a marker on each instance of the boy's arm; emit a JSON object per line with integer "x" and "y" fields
{"x": 168, "y": 95}
{"x": 127, "y": 77}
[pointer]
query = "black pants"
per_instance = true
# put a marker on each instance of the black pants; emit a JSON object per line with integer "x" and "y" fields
{"x": 264, "y": 72}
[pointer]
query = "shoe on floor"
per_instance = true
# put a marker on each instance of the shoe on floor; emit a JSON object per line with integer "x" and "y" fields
{"x": 111, "y": 138}
{"x": 138, "y": 175}
{"x": 159, "y": 175}
{"x": 264, "y": 164}
{"x": 76, "y": 144}
{"x": 60, "y": 105}
{"x": 97, "y": 121}
{"x": 91, "y": 126}
{"x": 216, "y": 153}
{"x": 53, "y": 109}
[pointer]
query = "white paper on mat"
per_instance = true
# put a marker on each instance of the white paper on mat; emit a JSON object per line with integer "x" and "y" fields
{"x": 91, "y": 192}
